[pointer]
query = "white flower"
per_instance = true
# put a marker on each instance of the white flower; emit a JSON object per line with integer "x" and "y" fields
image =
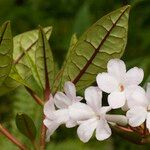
{"x": 135, "y": 97}
{"x": 92, "y": 116}
{"x": 63, "y": 101}
{"x": 139, "y": 108}
{"x": 49, "y": 121}
{"x": 116, "y": 81}
{"x": 54, "y": 118}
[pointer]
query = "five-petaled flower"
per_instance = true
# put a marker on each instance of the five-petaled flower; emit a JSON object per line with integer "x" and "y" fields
{"x": 139, "y": 108}
{"x": 92, "y": 116}
{"x": 54, "y": 118}
{"x": 117, "y": 81}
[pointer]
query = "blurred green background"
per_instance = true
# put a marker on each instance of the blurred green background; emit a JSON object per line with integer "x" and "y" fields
{"x": 68, "y": 17}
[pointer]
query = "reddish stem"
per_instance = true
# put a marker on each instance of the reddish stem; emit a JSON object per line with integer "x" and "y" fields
{"x": 46, "y": 96}
{"x": 35, "y": 97}
{"x": 43, "y": 128}
{"x": 6, "y": 133}
{"x": 145, "y": 129}
{"x": 43, "y": 135}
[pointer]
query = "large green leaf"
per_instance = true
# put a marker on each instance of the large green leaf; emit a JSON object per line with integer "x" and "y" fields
{"x": 21, "y": 72}
{"x": 104, "y": 40}
{"x": 26, "y": 42}
{"x": 44, "y": 60}
{"x": 6, "y": 49}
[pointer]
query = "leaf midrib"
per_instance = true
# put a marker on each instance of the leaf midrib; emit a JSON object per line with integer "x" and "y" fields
{"x": 22, "y": 54}
{"x": 77, "y": 78}
{"x": 5, "y": 27}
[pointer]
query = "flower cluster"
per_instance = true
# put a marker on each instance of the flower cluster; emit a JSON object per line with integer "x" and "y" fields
{"x": 123, "y": 92}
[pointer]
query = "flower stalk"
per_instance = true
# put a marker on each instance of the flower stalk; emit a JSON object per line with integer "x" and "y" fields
{"x": 13, "y": 139}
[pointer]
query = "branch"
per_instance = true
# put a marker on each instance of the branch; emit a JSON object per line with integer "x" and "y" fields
{"x": 43, "y": 128}
{"x": 6, "y": 133}
{"x": 35, "y": 97}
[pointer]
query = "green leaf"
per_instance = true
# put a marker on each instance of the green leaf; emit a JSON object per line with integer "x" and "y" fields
{"x": 44, "y": 60}
{"x": 26, "y": 126}
{"x": 23, "y": 43}
{"x": 6, "y": 49}
{"x": 73, "y": 41}
{"x": 8, "y": 85}
{"x": 58, "y": 78}
{"x": 26, "y": 42}
{"x": 22, "y": 102}
{"x": 105, "y": 40}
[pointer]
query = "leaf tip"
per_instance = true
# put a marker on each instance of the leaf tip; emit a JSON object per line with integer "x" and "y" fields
{"x": 127, "y": 7}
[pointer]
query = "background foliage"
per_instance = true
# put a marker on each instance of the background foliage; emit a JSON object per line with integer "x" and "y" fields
{"x": 68, "y": 17}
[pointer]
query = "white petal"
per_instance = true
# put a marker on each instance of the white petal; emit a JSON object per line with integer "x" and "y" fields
{"x": 71, "y": 123}
{"x": 118, "y": 119}
{"x": 125, "y": 107}
{"x": 148, "y": 121}
{"x": 70, "y": 90}
{"x": 80, "y": 111}
{"x": 86, "y": 129}
{"x": 61, "y": 116}
{"x": 51, "y": 127}
{"x": 107, "y": 83}
{"x": 61, "y": 100}
{"x": 136, "y": 96}
{"x": 134, "y": 76}
{"x": 129, "y": 90}
{"x": 116, "y": 99}
{"x": 103, "y": 130}
{"x": 136, "y": 116}
{"x": 48, "y": 135}
{"x": 116, "y": 68}
{"x": 49, "y": 107}
{"x": 93, "y": 97}
{"x": 103, "y": 110}
{"x": 148, "y": 91}
{"x": 78, "y": 98}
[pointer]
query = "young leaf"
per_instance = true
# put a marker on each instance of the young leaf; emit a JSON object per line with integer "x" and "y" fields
{"x": 6, "y": 49}
{"x": 105, "y": 40}
{"x": 26, "y": 126}
{"x": 44, "y": 60}
{"x": 23, "y": 102}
